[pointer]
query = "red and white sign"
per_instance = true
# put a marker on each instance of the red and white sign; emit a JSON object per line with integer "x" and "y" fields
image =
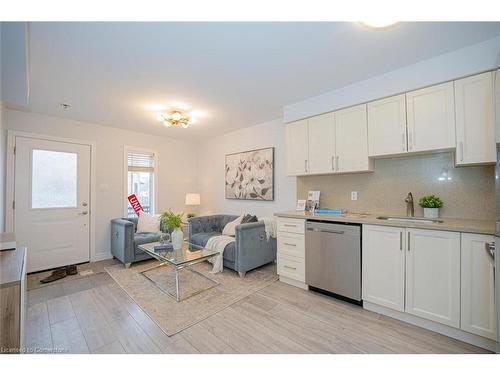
{"x": 134, "y": 202}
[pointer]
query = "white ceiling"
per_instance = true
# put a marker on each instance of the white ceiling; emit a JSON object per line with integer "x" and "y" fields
{"x": 240, "y": 74}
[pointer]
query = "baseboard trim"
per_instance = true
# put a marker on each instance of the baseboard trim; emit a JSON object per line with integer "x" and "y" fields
{"x": 455, "y": 333}
{"x": 293, "y": 282}
{"x": 101, "y": 256}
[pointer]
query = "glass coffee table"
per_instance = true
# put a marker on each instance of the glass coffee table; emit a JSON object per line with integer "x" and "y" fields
{"x": 189, "y": 255}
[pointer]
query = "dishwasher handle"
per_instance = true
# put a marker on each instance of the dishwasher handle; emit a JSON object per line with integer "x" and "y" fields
{"x": 326, "y": 230}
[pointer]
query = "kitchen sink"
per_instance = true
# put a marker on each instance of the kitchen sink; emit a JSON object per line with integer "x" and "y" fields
{"x": 410, "y": 219}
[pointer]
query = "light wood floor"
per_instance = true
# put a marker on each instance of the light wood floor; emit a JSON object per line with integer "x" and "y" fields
{"x": 94, "y": 315}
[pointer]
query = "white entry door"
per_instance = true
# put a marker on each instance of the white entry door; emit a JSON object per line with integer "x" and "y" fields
{"x": 52, "y": 192}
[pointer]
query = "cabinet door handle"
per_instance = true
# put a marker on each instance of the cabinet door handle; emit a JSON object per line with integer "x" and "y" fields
{"x": 289, "y": 225}
{"x": 333, "y": 163}
{"x": 461, "y": 151}
{"x": 408, "y": 241}
{"x": 403, "y": 141}
{"x": 338, "y": 168}
{"x": 401, "y": 240}
{"x": 289, "y": 244}
{"x": 410, "y": 140}
{"x": 305, "y": 165}
{"x": 291, "y": 268}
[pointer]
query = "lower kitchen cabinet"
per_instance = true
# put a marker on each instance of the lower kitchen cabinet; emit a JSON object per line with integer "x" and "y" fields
{"x": 384, "y": 266}
{"x": 433, "y": 275}
{"x": 291, "y": 251}
{"x": 478, "y": 283}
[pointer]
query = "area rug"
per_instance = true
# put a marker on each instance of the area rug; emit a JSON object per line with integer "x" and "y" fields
{"x": 172, "y": 316}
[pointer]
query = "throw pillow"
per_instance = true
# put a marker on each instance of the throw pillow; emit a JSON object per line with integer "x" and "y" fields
{"x": 230, "y": 228}
{"x": 148, "y": 223}
{"x": 249, "y": 219}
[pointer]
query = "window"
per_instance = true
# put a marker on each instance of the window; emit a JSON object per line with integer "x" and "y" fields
{"x": 53, "y": 179}
{"x": 141, "y": 175}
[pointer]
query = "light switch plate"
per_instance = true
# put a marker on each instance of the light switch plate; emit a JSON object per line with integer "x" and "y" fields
{"x": 354, "y": 195}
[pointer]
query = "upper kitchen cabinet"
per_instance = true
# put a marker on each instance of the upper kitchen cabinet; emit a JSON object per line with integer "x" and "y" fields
{"x": 431, "y": 118}
{"x": 497, "y": 105}
{"x": 475, "y": 122}
{"x": 321, "y": 144}
{"x": 351, "y": 140}
{"x": 296, "y": 148}
{"x": 387, "y": 126}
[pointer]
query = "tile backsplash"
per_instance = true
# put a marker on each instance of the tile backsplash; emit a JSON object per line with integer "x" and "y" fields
{"x": 467, "y": 192}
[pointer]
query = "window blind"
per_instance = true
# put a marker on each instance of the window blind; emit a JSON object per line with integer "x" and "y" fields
{"x": 141, "y": 162}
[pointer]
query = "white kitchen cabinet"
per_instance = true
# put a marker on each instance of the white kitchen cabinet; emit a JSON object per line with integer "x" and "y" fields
{"x": 384, "y": 266}
{"x": 497, "y": 105}
{"x": 387, "y": 126}
{"x": 475, "y": 122}
{"x": 433, "y": 275}
{"x": 351, "y": 140}
{"x": 321, "y": 144}
{"x": 296, "y": 148}
{"x": 290, "y": 256}
{"x": 478, "y": 283}
{"x": 431, "y": 118}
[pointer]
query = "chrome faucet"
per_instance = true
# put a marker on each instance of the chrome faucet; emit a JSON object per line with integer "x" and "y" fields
{"x": 410, "y": 209}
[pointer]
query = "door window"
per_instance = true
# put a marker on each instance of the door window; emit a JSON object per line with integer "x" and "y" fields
{"x": 54, "y": 179}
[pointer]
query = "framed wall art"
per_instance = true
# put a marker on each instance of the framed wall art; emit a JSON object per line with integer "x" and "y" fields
{"x": 250, "y": 175}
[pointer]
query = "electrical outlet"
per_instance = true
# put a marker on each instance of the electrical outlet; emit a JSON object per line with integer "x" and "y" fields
{"x": 354, "y": 195}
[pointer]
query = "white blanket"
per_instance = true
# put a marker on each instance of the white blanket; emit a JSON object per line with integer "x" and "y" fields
{"x": 218, "y": 243}
{"x": 270, "y": 226}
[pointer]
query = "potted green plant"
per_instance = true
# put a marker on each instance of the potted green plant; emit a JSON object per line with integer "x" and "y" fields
{"x": 173, "y": 222}
{"x": 431, "y": 205}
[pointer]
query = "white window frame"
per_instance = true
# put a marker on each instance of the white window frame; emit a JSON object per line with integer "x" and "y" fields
{"x": 127, "y": 150}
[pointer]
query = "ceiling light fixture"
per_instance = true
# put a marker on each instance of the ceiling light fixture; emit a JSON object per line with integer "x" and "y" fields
{"x": 174, "y": 118}
{"x": 380, "y": 24}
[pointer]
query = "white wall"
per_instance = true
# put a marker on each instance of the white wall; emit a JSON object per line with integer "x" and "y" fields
{"x": 211, "y": 179}
{"x": 176, "y": 160}
{"x": 466, "y": 61}
{"x": 2, "y": 168}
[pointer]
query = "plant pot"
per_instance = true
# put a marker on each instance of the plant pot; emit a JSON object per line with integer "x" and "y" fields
{"x": 177, "y": 238}
{"x": 431, "y": 213}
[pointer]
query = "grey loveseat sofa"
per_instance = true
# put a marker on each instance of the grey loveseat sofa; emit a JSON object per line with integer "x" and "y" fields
{"x": 125, "y": 241}
{"x": 251, "y": 248}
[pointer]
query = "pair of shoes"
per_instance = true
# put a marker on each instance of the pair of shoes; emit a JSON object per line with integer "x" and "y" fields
{"x": 57, "y": 274}
{"x": 60, "y": 273}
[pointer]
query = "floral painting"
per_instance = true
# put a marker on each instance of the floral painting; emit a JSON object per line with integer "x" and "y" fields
{"x": 250, "y": 175}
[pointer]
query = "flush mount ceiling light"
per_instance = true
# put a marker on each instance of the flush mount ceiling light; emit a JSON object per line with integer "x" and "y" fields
{"x": 380, "y": 24}
{"x": 175, "y": 118}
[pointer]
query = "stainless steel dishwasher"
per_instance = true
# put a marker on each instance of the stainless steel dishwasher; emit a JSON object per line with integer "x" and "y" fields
{"x": 333, "y": 259}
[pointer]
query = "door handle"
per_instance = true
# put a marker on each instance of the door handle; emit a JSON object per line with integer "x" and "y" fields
{"x": 305, "y": 165}
{"x": 338, "y": 168}
{"x": 461, "y": 151}
{"x": 490, "y": 249}
{"x": 83, "y": 213}
{"x": 333, "y": 163}
{"x": 288, "y": 244}
{"x": 408, "y": 241}
{"x": 326, "y": 231}
{"x": 291, "y": 268}
{"x": 403, "y": 141}
{"x": 401, "y": 240}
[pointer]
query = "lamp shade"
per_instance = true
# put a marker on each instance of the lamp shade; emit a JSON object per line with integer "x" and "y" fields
{"x": 192, "y": 199}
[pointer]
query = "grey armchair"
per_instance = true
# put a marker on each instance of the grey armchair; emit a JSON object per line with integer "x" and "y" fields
{"x": 125, "y": 241}
{"x": 251, "y": 248}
